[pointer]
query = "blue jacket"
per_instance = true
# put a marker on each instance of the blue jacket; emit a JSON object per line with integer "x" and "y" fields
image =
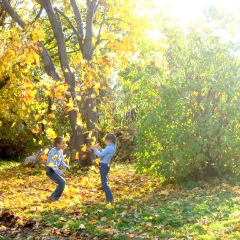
{"x": 55, "y": 159}
{"x": 107, "y": 153}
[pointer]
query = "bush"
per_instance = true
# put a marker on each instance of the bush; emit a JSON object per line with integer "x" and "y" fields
{"x": 192, "y": 131}
{"x": 16, "y": 141}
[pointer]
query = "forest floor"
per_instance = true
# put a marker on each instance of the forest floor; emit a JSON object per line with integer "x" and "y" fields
{"x": 143, "y": 209}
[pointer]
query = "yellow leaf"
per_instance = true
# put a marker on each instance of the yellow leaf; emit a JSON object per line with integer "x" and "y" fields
{"x": 46, "y": 150}
{"x": 84, "y": 148}
{"x": 54, "y": 107}
{"x": 78, "y": 98}
{"x": 51, "y": 164}
{"x": 55, "y": 157}
{"x": 91, "y": 223}
{"x": 50, "y": 133}
{"x": 93, "y": 95}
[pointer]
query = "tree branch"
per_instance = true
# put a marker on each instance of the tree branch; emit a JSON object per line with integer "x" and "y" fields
{"x": 8, "y": 8}
{"x": 37, "y": 16}
{"x": 47, "y": 61}
{"x": 73, "y": 51}
{"x": 100, "y": 31}
{"x": 55, "y": 45}
{"x": 72, "y": 27}
{"x": 78, "y": 18}
{"x": 97, "y": 5}
{"x": 62, "y": 50}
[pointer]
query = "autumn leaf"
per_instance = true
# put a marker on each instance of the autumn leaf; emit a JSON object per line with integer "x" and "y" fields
{"x": 84, "y": 148}
{"x": 54, "y": 158}
{"x": 51, "y": 164}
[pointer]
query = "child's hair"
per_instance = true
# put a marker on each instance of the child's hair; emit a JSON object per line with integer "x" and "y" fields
{"x": 57, "y": 140}
{"x": 111, "y": 137}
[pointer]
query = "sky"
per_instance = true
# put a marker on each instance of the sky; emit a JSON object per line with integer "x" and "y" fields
{"x": 187, "y": 10}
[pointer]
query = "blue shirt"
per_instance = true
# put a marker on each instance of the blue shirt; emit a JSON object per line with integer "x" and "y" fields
{"x": 55, "y": 159}
{"x": 106, "y": 154}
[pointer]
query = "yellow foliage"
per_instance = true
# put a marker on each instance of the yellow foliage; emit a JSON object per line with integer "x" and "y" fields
{"x": 51, "y": 133}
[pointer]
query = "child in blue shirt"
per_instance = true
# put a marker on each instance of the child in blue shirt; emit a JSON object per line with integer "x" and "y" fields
{"x": 55, "y": 159}
{"x": 106, "y": 156}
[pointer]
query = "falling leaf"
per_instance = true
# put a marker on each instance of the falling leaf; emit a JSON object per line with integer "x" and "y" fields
{"x": 79, "y": 98}
{"x": 46, "y": 150}
{"x": 84, "y": 147}
{"x": 54, "y": 158}
{"x": 51, "y": 164}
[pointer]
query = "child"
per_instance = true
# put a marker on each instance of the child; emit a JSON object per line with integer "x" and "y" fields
{"x": 55, "y": 159}
{"x": 106, "y": 156}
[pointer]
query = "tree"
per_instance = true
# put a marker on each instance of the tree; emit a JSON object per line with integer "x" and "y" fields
{"x": 86, "y": 22}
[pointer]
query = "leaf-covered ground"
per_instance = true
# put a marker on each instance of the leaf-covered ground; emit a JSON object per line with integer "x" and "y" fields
{"x": 143, "y": 209}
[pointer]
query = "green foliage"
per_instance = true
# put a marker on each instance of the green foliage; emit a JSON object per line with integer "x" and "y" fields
{"x": 192, "y": 130}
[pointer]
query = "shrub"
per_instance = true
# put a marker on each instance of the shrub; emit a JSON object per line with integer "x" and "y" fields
{"x": 192, "y": 131}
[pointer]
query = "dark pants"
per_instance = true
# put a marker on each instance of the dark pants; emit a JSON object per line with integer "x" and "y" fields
{"x": 58, "y": 180}
{"x": 104, "y": 169}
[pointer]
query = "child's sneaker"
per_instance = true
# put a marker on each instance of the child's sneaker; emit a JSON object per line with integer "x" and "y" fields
{"x": 52, "y": 199}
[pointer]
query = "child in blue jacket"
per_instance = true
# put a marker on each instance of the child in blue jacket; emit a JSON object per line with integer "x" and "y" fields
{"x": 56, "y": 160}
{"x": 105, "y": 158}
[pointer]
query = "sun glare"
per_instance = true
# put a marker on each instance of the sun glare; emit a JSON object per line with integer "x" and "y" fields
{"x": 187, "y": 10}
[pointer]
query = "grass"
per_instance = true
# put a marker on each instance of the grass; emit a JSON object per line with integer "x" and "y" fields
{"x": 143, "y": 208}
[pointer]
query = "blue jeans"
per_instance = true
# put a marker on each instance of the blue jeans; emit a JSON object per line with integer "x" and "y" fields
{"x": 58, "y": 180}
{"x": 104, "y": 169}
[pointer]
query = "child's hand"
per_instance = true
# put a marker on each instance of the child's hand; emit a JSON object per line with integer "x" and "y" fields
{"x": 68, "y": 168}
{"x": 92, "y": 147}
{"x": 98, "y": 147}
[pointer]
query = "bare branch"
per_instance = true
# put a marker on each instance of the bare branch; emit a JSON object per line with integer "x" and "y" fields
{"x": 62, "y": 50}
{"x": 97, "y": 5}
{"x": 72, "y": 27}
{"x": 8, "y": 8}
{"x": 100, "y": 31}
{"x": 37, "y": 16}
{"x": 73, "y": 51}
{"x": 55, "y": 45}
{"x": 78, "y": 18}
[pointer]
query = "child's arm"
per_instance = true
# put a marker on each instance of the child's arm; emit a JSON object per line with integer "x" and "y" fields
{"x": 102, "y": 153}
{"x": 98, "y": 148}
{"x": 62, "y": 163}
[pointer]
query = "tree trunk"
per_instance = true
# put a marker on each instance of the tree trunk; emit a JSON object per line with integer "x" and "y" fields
{"x": 68, "y": 74}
